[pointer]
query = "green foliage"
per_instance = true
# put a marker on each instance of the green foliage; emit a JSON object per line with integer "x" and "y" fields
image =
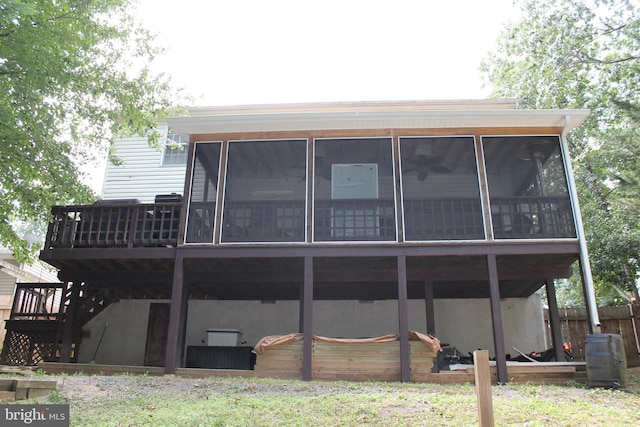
{"x": 586, "y": 54}
{"x": 72, "y": 74}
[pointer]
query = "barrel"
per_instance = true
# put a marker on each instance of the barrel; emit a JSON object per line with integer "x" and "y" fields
{"x": 606, "y": 361}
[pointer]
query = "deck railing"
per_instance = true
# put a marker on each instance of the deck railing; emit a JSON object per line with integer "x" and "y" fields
{"x": 346, "y": 219}
{"x": 532, "y": 218}
{"x": 38, "y": 301}
{"x": 443, "y": 219}
{"x": 127, "y": 225}
{"x": 157, "y": 225}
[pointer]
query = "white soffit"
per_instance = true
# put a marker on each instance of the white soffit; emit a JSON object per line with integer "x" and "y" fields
{"x": 391, "y": 119}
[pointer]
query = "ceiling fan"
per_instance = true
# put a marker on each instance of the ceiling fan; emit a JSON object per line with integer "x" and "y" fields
{"x": 424, "y": 164}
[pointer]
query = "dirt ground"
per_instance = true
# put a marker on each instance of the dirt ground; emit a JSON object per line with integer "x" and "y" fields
{"x": 79, "y": 387}
{"x": 86, "y": 387}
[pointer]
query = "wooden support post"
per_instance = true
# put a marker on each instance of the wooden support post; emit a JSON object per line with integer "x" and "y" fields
{"x": 554, "y": 321}
{"x": 301, "y": 310}
{"x": 496, "y": 319}
{"x": 483, "y": 387}
{"x": 403, "y": 320}
{"x": 173, "y": 356}
{"x": 428, "y": 305}
{"x": 70, "y": 322}
{"x": 182, "y": 335}
{"x": 307, "y": 307}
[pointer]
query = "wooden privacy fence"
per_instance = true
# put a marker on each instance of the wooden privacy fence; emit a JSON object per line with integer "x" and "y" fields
{"x": 621, "y": 320}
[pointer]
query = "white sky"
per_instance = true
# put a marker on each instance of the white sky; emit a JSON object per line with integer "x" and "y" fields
{"x": 235, "y": 52}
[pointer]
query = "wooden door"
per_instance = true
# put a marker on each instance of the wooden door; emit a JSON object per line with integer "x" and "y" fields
{"x": 157, "y": 332}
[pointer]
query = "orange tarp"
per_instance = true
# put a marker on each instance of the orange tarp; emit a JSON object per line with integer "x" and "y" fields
{"x": 274, "y": 340}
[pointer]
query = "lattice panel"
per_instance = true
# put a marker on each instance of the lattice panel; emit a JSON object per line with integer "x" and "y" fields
{"x": 29, "y": 348}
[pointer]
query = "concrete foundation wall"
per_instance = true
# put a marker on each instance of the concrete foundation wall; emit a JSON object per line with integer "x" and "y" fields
{"x": 465, "y": 324}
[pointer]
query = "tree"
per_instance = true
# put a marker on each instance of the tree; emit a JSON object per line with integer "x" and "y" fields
{"x": 586, "y": 54}
{"x": 73, "y": 73}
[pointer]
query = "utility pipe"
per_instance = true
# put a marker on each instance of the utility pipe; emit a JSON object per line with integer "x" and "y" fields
{"x": 587, "y": 278}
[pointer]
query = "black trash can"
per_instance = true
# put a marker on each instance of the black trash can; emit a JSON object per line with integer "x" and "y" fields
{"x": 606, "y": 361}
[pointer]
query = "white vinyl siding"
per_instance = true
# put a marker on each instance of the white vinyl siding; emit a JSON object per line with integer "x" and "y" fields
{"x": 38, "y": 269}
{"x": 141, "y": 175}
{"x": 7, "y": 284}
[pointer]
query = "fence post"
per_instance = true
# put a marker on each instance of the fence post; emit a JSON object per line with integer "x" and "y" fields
{"x": 483, "y": 387}
{"x": 634, "y": 326}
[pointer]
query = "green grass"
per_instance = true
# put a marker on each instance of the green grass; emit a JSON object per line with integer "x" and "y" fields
{"x": 158, "y": 401}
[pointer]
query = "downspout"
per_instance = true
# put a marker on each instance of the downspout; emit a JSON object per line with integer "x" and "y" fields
{"x": 587, "y": 277}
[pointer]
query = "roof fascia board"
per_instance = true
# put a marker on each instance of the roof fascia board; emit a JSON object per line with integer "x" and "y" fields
{"x": 336, "y": 120}
{"x": 472, "y": 104}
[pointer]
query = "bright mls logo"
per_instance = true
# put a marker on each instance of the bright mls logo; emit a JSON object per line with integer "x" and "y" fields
{"x": 34, "y": 415}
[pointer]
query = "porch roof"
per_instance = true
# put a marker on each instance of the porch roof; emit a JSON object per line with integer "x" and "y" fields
{"x": 372, "y": 115}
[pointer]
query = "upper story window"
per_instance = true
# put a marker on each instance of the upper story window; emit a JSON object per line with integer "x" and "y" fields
{"x": 440, "y": 190}
{"x": 528, "y": 187}
{"x": 175, "y": 150}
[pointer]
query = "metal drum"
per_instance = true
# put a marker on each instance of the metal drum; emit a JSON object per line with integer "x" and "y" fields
{"x": 606, "y": 361}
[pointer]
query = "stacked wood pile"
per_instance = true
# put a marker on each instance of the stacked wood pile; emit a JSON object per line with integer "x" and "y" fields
{"x": 351, "y": 360}
{"x": 11, "y": 389}
{"x": 556, "y": 373}
{"x": 283, "y": 361}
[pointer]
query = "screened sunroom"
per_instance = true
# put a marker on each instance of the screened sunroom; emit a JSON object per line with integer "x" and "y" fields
{"x": 362, "y": 189}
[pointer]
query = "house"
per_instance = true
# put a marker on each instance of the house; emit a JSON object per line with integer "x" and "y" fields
{"x": 342, "y": 220}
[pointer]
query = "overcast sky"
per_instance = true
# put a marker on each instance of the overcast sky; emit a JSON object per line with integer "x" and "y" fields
{"x": 261, "y": 52}
{"x": 236, "y": 52}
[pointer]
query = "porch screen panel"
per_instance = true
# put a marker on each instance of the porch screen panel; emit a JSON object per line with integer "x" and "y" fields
{"x": 203, "y": 195}
{"x": 354, "y": 190}
{"x": 440, "y": 191}
{"x": 528, "y": 187}
{"x": 265, "y": 191}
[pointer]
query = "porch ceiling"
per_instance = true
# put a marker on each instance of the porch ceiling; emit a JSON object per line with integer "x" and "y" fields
{"x": 281, "y": 278}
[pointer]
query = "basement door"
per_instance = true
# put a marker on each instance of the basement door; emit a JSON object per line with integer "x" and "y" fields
{"x": 157, "y": 332}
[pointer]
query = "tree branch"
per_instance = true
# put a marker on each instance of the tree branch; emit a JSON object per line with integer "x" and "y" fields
{"x": 622, "y": 293}
{"x": 10, "y": 73}
{"x": 589, "y": 60}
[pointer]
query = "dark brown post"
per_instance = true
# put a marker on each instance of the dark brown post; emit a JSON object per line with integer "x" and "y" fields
{"x": 70, "y": 322}
{"x": 554, "y": 321}
{"x": 403, "y": 320}
{"x": 496, "y": 319}
{"x": 178, "y": 299}
{"x": 428, "y": 305}
{"x": 307, "y": 307}
{"x": 301, "y": 311}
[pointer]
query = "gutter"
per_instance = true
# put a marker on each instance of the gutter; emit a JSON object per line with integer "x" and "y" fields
{"x": 587, "y": 277}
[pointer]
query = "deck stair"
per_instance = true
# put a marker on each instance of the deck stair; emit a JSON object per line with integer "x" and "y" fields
{"x": 36, "y": 326}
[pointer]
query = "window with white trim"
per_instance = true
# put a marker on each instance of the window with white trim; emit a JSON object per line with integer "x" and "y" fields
{"x": 175, "y": 150}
